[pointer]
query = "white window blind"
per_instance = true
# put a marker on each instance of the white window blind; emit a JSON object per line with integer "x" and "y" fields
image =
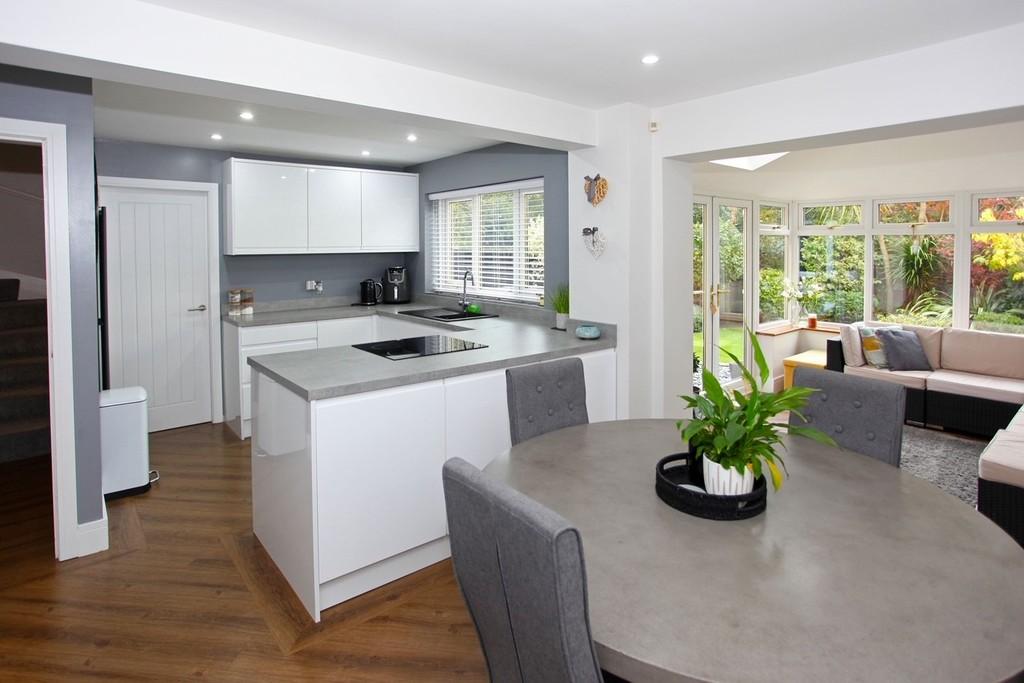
{"x": 495, "y": 232}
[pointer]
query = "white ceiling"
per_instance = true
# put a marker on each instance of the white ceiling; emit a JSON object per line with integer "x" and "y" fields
{"x": 129, "y": 112}
{"x": 983, "y": 158}
{"x": 1005, "y": 138}
{"x": 588, "y": 51}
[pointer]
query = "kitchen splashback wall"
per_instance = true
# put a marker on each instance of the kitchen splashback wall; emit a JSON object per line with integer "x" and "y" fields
{"x": 273, "y": 277}
{"x": 500, "y": 164}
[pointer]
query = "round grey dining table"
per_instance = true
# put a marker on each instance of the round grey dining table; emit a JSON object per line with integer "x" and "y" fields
{"x": 857, "y": 571}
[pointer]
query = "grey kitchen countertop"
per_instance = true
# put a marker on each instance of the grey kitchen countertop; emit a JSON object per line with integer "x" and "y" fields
{"x": 308, "y": 315}
{"x": 344, "y": 370}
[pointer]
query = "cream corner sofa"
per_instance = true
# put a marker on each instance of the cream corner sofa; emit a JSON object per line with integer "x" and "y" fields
{"x": 976, "y": 383}
{"x": 1001, "y": 478}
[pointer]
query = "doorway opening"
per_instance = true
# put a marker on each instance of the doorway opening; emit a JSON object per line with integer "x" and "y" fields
{"x": 25, "y": 447}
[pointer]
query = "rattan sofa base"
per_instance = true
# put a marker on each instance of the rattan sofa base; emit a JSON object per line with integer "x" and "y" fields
{"x": 1004, "y": 505}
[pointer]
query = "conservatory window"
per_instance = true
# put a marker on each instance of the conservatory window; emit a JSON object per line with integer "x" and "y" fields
{"x": 832, "y": 215}
{"x": 773, "y": 241}
{"x": 831, "y": 276}
{"x": 909, "y": 213}
{"x": 913, "y": 279}
{"x": 1004, "y": 208}
{"x": 997, "y": 281}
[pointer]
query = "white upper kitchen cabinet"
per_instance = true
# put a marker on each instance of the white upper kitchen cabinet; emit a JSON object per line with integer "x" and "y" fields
{"x": 391, "y": 212}
{"x": 335, "y": 210}
{"x": 266, "y": 208}
{"x": 282, "y": 208}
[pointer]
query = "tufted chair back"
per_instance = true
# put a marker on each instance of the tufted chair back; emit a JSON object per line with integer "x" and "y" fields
{"x": 544, "y": 397}
{"x": 861, "y": 414}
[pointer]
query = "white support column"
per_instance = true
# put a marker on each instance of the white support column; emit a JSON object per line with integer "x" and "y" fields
{"x": 617, "y": 287}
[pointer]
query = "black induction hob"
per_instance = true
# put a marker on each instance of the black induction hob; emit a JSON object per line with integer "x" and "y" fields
{"x": 417, "y": 347}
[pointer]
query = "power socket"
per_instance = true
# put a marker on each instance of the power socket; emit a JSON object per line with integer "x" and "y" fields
{"x": 315, "y": 286}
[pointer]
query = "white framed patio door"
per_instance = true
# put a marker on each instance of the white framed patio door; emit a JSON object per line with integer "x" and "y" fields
{"x": 722, "y": 295}
{"x": 159, "y": 304}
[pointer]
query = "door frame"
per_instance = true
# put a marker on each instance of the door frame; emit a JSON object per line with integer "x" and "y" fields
{"x": 212, "y": 191}
{"x": 70, "y": 539}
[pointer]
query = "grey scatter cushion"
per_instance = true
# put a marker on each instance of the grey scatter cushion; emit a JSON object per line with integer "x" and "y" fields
{"x": 903, "y": 350}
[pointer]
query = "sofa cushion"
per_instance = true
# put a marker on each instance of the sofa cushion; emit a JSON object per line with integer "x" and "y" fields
{"x": 849, "y": 337}
{"x": 872, "y": 345}
{"x": 903, "y": 350}
{"x": 1017, "y": 423}
{"x": 984, "y": 353}
{"x": 931, "y": 342}
{"x": 1006, "y": 389}
{"x": 912, "y": 379}
{"x": 1003, "y": 459}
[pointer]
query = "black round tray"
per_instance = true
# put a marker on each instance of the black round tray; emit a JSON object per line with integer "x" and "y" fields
{"x": 677, "y": 469}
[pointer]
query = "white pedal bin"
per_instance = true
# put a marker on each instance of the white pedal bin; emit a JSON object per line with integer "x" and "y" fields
{"x": 124, "y": 441}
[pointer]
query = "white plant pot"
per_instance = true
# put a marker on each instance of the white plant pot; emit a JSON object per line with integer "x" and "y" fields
{"x": 719, "y": 481}
{"x": 561, "y": 320}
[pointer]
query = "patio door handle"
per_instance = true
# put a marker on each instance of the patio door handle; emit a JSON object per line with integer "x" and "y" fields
{"x": 713, "y": 298}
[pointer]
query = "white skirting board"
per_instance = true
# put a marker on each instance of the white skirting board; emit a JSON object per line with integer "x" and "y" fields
{"x": 92, "y": 537}
{"x": 346, "y": 587}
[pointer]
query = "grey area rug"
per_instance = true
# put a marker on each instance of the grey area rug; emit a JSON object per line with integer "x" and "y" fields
{"x": 949, "y": 461}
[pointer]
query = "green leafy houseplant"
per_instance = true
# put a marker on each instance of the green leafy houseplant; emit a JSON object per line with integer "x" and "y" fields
{"x": 734, "y": 430}
{"x": 560, "y": 301}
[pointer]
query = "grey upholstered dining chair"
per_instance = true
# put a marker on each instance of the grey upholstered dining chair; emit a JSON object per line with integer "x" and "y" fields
{"x": 520, "y": 569}
{"x": 861, "y": 414}
{"x": 544, "y": 397}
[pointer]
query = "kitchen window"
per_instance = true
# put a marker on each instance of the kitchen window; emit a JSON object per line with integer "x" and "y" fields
{"x": 496, "y": 233}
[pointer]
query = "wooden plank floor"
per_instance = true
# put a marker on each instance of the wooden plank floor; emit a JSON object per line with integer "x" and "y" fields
{"x": 186, "y": 591}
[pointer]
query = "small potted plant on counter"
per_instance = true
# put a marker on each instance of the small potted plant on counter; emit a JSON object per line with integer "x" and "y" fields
{"x": 560, "y": 302}
{"x": 733, "y": 434}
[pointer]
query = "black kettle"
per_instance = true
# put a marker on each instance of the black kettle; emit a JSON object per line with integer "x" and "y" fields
{"x": 370, "y": 292}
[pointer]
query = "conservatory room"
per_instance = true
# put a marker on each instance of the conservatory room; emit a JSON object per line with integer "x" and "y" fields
{"x": 924, "y": 233}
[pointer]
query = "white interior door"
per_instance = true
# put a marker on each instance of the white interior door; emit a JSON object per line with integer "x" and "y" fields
{"x": 158, "y": 300}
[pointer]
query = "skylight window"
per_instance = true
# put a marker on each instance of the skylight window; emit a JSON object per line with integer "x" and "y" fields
{"x": 751, "y": 163}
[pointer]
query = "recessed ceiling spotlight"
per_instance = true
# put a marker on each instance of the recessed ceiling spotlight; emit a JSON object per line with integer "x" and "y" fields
{"x": 246, "y": 116}
{"x": 216, "y": 136}
{"x": 365, "y": 152}
{"x": 650, "y": 59}
{"x": 411, "y": 137}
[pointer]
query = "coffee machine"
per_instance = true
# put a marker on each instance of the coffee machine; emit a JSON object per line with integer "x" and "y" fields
{"x": 396, "y": 285}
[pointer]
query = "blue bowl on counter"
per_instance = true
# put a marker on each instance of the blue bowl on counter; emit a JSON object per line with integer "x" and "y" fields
{"x": 588, "y": 332}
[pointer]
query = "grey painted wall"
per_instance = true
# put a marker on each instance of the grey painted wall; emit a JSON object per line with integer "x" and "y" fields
{"x": 501, "y": 164}
{"x": 56, "y": 98}
{"x": 274, "y": 278}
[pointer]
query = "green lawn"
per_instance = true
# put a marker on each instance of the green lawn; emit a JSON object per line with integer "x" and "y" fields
{"x": 731, "y": 340}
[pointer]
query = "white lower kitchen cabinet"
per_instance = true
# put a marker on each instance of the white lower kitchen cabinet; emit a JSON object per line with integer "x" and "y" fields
{"x": 346, "y": 331}
{"x": 378, "y": 458}
{"x": 476, "y": 423}
{"x": 242, "y": 342}
{"x": 353, "y": 484}
{"x": 396, "y": 328}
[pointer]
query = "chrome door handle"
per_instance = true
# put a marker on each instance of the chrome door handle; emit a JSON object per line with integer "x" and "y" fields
{"x": 201, "y": 307}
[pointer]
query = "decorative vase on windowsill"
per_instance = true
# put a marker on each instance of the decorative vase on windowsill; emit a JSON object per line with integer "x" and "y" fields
{"x": 733, "y": 434}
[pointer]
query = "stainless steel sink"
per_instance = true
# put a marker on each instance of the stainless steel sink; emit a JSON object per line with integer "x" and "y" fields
{"x": 447, "y": 314}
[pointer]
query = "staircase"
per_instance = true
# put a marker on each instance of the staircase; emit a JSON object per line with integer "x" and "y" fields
{"x": 24, "y": 380}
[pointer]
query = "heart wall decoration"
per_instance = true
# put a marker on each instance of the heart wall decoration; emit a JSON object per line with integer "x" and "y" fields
{"x": 596, "y": 188}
